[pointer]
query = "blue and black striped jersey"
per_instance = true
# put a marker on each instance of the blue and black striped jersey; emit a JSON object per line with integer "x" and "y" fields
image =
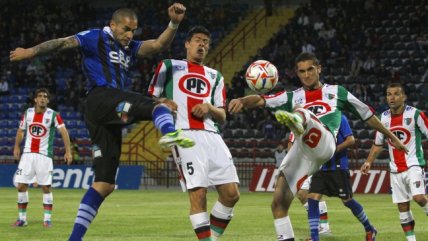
{"x": 105, "y": 61}
{"x": 340, "y": 160}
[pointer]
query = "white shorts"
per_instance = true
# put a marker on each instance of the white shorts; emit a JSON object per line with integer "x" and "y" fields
{"x": 405, "y": 185}
{"x": 208, "y": 163}
{"x": 309, "y": 151}
{"x": 306, "y": 184}
{"x": 34, "y": 167}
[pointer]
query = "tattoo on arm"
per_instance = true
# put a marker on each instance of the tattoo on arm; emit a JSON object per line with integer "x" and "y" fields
{"x": 53, "y": 45}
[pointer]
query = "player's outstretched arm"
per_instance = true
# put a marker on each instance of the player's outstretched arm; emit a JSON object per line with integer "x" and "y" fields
{"x": 47, "y": 47}
{"x": 374, "y": 152}
{"x": 377, "y": 125}
{"x": 68, "y": 158}
{"x": 17, "y": 147}
{"x": 176, "y": 14}
{"x": 250, "y": 101}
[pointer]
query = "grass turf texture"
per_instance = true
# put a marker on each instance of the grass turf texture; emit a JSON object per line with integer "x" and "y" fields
{"x": 151, "y": 215}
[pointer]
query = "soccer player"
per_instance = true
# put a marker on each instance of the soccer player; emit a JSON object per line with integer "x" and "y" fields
{"x": 334, "y": 180}
{"x": 107, "y": 56}
{"x": 406, "y": 169}
{"x": 38, "y": 126}
{"x": 315, "y": 136}
{"x": 199, "y": 92}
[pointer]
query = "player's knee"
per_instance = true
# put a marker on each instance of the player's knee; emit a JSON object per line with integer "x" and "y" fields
{"x": 420, "y": 199}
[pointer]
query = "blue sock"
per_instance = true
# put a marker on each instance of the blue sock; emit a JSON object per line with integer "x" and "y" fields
{"x": 314, "y": 218}
{"x": 163, "y": 120}
{"x": 359, "y": 213}
{"x": 88, "y": 209}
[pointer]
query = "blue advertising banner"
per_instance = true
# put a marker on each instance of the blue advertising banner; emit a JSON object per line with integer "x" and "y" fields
{"x": 79, "y": 176}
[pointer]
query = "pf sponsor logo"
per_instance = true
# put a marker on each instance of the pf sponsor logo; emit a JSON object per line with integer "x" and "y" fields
{"x": 401, "y": 133}
{"x": 37, "y": 130}
{"x": 318, "y": 107}
{"x": 195, "y": 85}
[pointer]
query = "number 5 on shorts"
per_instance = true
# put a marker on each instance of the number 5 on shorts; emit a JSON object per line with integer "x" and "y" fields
{"x": 190, "y": 168}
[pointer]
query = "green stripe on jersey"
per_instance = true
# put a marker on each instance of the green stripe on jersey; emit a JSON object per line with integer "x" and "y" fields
{"x": 51, "y": 135}
{"x": 418, "y": 140}
{"x": 169, "y": 84}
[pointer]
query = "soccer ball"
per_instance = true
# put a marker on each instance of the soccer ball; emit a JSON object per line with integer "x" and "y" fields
{"x": 261, "y": 76}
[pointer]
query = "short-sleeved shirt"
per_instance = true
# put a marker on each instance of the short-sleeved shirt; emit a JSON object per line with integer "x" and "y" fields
{"x": 327, "y": 103}
{"x": 105, "y": 61}
{"x": 189, "y": 84}
{"x": 39, "y": 130}
{"x": 408, "y": 127}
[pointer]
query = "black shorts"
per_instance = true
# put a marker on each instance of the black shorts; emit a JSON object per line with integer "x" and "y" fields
{"x": 332, "y": 183}
{"x": 107, "y": 110}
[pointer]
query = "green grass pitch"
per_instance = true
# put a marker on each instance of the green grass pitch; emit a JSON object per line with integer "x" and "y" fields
{"x": 151, "y": 215}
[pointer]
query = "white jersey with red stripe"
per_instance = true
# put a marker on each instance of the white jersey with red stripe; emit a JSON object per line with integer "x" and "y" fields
{"x": 40, "y": 134}
{"x": 408, "y": 127}
{"x": 189, "y": 84}
{"x": 326, "y": 103}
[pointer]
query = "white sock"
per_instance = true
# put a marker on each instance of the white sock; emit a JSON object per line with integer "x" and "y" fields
{"x": 199, "y": 220}
{"x": 23, "y": 197}
{"x": 47, "y": 200}
{"x": 323, "y": 209}
{"x": 406, "y": 217}
{"x": 221, "y": 212}
{"x": 283, "y": 228}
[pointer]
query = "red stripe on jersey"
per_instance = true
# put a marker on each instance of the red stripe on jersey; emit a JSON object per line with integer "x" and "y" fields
{"x": 223, "y": 91}
{"x": 59, "y": 119}
{"x": 155, "y": 79}
{"x": 424, "y": 118}
{"x": 194, "y": 123}
{"x": 35, "y": 142}
{"x": 195, "y": 68}
{"x": 272, "y": 95}
{"x": 313, "y": 95}
{"x": 399, "y": 156}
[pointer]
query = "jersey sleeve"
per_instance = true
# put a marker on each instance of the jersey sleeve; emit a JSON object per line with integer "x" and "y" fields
{"x": 379, "y": 137}
{"x": 88, "y": 39}
{"x": 23, "y": 123}
{"x": 422, "y": 122}
{"x": 58, "y": 121}
{"x": 158, "y": 82}
{"x": 279, "y": 100}
{"x": 134, "y": 46}
{"x": 354, "y": 105}
{"x": 219, "y": 92}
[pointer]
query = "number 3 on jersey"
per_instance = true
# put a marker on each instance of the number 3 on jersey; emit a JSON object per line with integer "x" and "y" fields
{"x": 312, "y": 138}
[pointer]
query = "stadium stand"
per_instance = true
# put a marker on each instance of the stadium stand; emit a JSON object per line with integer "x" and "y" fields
{"x": 361, "y": 46}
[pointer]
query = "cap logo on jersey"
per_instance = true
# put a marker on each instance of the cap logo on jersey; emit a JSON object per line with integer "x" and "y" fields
{"x": 318, "y": 107}
{"x": 195, "y": 85}
{"x": 401, "y": 133}
{"x": 37, "y": 130}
